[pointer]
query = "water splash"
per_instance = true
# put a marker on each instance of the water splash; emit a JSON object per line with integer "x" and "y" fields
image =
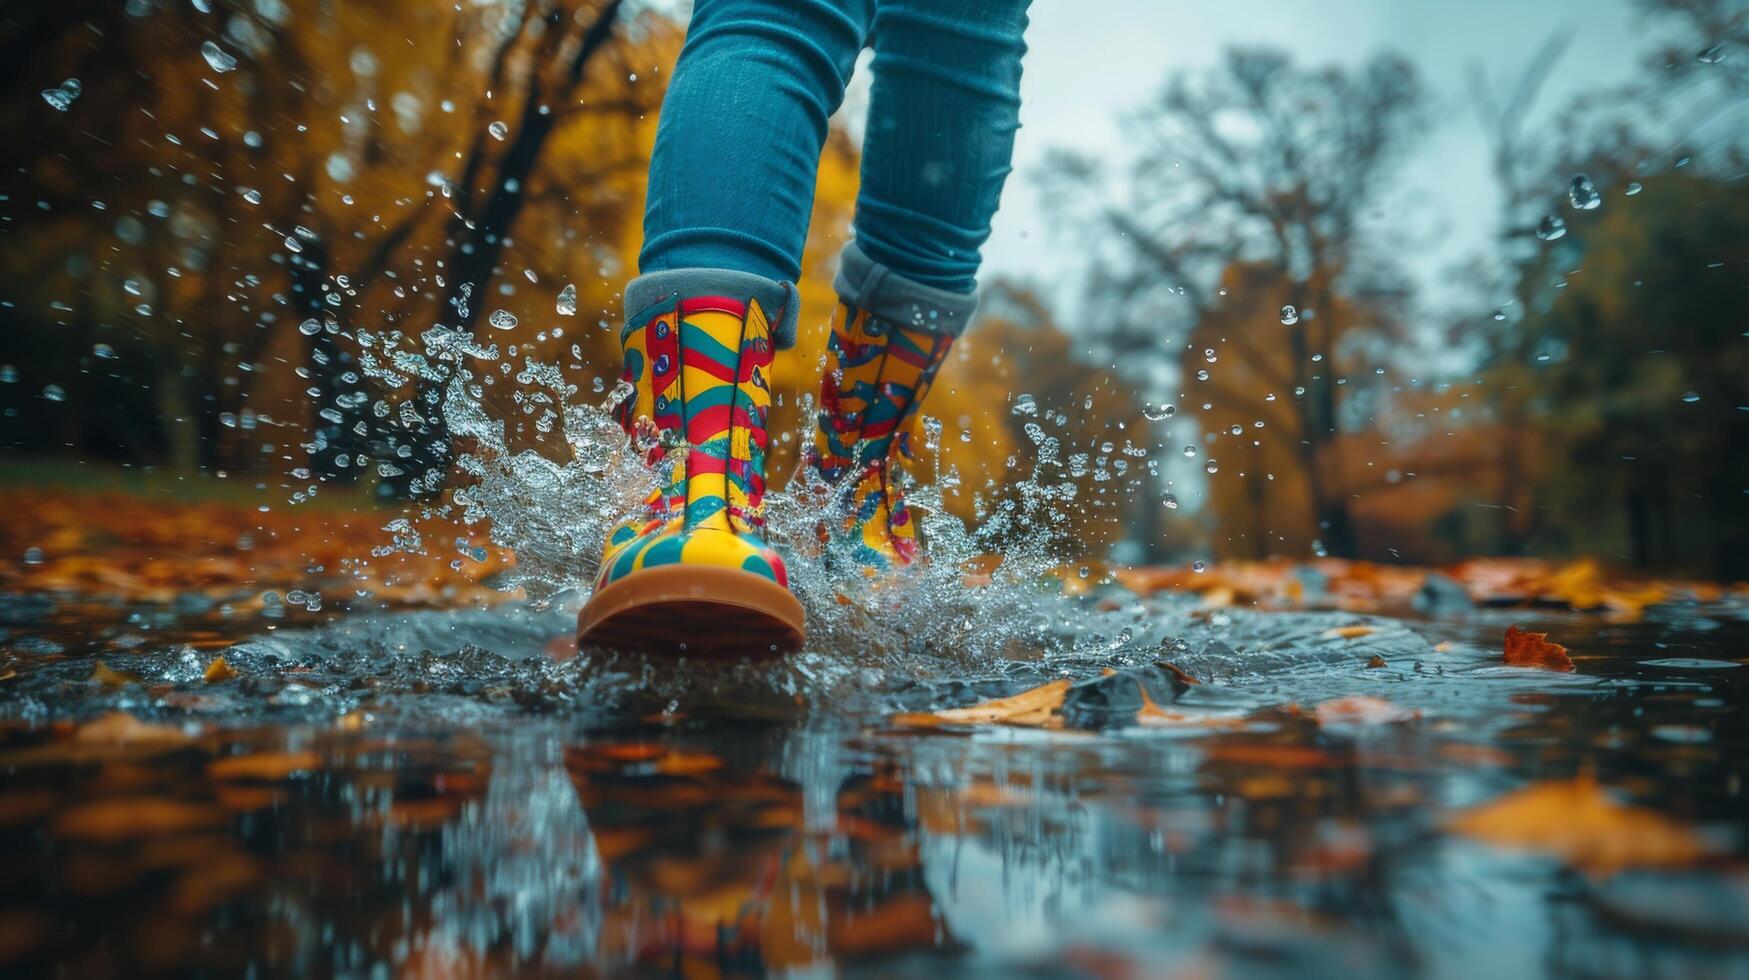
{"x": 555, "y": 514}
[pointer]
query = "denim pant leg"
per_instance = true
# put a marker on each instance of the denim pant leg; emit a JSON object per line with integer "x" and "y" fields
{"x": 942, "y": 118}
{"x": 739, "y": 138}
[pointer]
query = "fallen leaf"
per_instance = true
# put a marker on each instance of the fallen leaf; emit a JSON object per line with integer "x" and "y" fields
{"x": 1037, "y": 707}
{"x": 1526, "y": 649}
{"x": 1178, "y": 673}
{"x": 1375, "y": 661}
{"x": 1361, "y": 710}
{"x": 1152, "y": 715}
{"x": 1576, "y": 821}
{"x": 109, "y": 677}
{"x": 1347, "y": 632}
{"x": 218, "y": 671}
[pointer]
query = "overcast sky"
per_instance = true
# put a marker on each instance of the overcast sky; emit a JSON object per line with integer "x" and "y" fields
{"x": 1092, "y": 59}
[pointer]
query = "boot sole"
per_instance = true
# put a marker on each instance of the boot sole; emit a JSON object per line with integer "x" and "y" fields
{"x": 693, "y": 611}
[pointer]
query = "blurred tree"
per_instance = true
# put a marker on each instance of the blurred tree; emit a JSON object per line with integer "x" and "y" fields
{"x": 1643, "y": 375}
{"x": 1271, "y": 171}
{"x": 279, "y": 176}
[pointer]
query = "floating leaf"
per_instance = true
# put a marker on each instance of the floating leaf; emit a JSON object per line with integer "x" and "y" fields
{"x": 1526, "y": 649}
{"x": 1348, "y": 632}
{"x": 218, "y": 671}
{"x": 109, "y": 677}
{"x": 1037, "y": 707}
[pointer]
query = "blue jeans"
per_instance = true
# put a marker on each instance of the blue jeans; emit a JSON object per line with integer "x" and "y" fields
{"x": 744, "y": 120}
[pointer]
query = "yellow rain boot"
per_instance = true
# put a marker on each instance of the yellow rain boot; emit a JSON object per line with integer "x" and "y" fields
{"x": 689, "y": 573}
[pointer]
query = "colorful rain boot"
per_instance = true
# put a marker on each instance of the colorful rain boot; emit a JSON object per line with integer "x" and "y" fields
{"x": 889, "y": 338}
{"x": 689, "y": 572}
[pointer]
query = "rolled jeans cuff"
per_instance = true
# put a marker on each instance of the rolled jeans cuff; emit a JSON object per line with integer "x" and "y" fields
{"x": 868, "y": 285}
{"x": 647, "y": 296}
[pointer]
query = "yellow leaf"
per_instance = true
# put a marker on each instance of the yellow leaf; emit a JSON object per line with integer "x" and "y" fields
{"x": 1037, "y": 707}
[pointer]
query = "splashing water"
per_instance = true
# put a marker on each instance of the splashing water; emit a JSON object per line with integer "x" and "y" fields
{"x": 555, "y": 515}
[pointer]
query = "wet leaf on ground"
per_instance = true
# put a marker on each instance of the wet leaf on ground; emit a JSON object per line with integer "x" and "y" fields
{"x": 1527, "y": 649}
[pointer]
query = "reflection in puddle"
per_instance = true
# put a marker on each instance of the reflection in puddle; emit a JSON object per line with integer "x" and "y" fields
{"x": 458, "y": 831}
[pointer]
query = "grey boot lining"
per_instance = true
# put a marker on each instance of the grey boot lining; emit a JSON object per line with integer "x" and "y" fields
{"x": 651, "y": 290}
{"x": 866, "y": 284}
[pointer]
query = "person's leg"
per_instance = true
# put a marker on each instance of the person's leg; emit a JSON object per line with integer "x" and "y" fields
{"x": 942, "y": 119}
{"x": 738, "y": 142}
{"x": 731, "y": 189}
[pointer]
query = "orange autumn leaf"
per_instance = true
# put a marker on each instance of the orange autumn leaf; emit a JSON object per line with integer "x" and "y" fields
{"x": 110, "y": 677}
{"x": 1576, "y": 821}
{"x": 1347, "y": 632}
{"x": 218, "y": 671}
{"x": 1036, "y": 707}
{"x": 1526, "y": 649}
{"x": 1150, "y": 714}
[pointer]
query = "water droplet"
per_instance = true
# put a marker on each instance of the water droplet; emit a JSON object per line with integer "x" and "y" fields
{"x": 1189, "y": 451}
{"x": 498, "y": 130}
{"x": 1158, "y": 413}
{"x": 217, "y": 57}
{"x": 1169, "y": 502}
{"x": 8, "y": 373}
{"x": 1211, "y": 466}
{"x": 1691, "y": 396}
{"x": 1582, "y": 194}
{"x": 1634, "y": 187}
{"x": 1235, "y": 429}
{"x": 502, "y": 319}
{"x": 1024, "y": 405}
{"x": 1208, "y": 354}
{"x": 1551, "y": 227}
{"x": 567, "y": 304}
{"x": 1289, "y": 316}
{"x": 33, "y": 556}
{"x": 55, "y": 393}
{"x": 103, "y": 352}
{"x": 1712, "y": 55}
{"x": 62, "y": 95}
{"x": 1199, "y": 566}
{"x": 310, "y": 327}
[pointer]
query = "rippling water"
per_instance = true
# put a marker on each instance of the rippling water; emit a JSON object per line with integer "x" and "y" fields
{"x": 458, "y": 792}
